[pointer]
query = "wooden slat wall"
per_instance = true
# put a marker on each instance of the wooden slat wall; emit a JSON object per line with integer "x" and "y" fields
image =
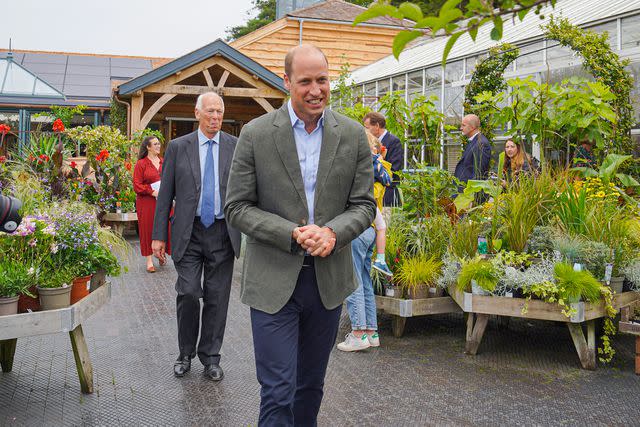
{"x": 358, "y": 46}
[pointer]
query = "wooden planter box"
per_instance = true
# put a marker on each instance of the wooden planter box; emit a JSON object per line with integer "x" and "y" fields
{"x": 400, "y": 309}
{"x": 626, "y": 326}
{"x": 480, "y": 308}
{"x": 67, "y": 319}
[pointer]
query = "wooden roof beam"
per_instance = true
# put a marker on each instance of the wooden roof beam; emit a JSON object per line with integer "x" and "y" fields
{"x": 225, "y": 91}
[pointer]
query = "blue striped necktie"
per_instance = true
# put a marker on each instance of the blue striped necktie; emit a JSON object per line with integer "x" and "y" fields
{"x": 208, "y": 210}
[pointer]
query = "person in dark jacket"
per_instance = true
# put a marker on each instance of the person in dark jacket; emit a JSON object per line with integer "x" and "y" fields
{"x": 517, "y": 161}
{"x": 476, "y": 156}
{"x": 376, "y": 124}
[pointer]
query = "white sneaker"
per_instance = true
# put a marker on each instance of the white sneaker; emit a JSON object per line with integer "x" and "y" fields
{"x": 353, "y": 343}
{"x": 374, "y": 340}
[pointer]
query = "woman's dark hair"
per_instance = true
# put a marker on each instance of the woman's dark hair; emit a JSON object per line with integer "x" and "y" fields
{"x": 144, "y": 147}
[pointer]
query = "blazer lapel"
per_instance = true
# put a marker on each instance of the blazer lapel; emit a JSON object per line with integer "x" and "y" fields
{"x": 194, "y": 160}
{"x": 225, "y": 156}
{"x": 330, "y": 141}
{"x": 286, "y": 147}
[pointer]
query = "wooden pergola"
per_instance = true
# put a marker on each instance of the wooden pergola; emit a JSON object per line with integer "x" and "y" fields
{"x": 169, "y": 92}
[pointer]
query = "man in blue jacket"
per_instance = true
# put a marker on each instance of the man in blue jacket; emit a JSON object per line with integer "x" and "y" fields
{"x": 376, "y": 124}
{"x": 476, "y": 156}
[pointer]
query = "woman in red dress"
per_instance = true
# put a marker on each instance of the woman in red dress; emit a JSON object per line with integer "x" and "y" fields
{"x": 147, "y": 171}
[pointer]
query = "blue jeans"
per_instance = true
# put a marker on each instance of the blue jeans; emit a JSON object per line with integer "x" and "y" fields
{"x": 361, "y": 304}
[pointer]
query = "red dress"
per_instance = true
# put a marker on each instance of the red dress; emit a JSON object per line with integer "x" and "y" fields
{"x": 144, "y": 174}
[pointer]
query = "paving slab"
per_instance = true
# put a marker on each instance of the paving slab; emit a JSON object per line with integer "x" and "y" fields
{"x": 527, "y": 374}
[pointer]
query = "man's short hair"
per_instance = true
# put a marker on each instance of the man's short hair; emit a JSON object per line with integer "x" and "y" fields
{"x": 288, "y": 59}
{"x": 376, "y": 118}
{"x": 202, "y": 95}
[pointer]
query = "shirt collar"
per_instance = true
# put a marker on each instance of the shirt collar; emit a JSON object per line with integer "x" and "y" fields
{"x": 294, "y": 118}
{"x": 476, "y": 134}
{"x": 384, "y": 133}
{"x": 202, "y": 139}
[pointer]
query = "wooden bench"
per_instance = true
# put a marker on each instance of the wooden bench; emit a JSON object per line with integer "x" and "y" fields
{"x": 67, "y": 319}
{"x": 479, "y": 308}
{"x": 118, "y": 221}
{"x": 400, "y": 309}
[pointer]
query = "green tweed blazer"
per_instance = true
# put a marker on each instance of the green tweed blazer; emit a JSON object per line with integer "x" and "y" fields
{"x": 266, "y": 201}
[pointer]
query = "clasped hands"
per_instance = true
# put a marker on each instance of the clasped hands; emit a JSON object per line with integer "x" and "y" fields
{"x": 317, "y": 241}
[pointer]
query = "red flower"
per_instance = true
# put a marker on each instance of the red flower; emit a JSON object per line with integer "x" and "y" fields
{"x": 31, "y": 158}
{"x": 127, "y": 165}
{"x": 58, "y": 126}
{"x": 73, "y": 165}
{"x": 4, "y": 129}
{"x": 44, "y": 157}
{"x": 3, "y": 159}
{"x": 102, "y": 156}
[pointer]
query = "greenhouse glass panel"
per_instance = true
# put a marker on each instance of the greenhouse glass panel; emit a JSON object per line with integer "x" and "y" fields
{"x": 559, "y": 74}
{"x": 454, "y": 71}
{"x": 634, "y": 69}
{"x": 399, "y": 83}
{"x": 530, "y": 56}
{"x": 453, "y": 99}
{"x": 559, "y": 55}
{"x": 415, "y": 84}
{"x": 630, "y": 32}
{"x": 18, "y": 80}
{"x": 369, "y": 94}
{"x": 383, "y": 87}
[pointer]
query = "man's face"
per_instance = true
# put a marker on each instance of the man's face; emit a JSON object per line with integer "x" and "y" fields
{"x": 373, "y": 128}
{"x": 466, "y": 128}
{"x": 210, "y": 116}
{"x": 308, "y": 85}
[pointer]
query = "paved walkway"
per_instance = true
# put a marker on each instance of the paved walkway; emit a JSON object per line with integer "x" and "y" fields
{"x": 528, "y": 374}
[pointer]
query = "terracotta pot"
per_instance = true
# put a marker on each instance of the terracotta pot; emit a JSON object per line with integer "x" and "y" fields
{"x": 26, "y": 303}
{"x": 80, "y": 288}
{"x": 8, "y": 305}
{"x": 54, "y": 298}
{"x": 98, "y": 279}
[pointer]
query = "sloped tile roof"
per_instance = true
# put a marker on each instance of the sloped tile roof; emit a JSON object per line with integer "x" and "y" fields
{"x": 340, "y": 10}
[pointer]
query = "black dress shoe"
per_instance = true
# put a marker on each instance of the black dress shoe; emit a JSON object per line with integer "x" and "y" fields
{"x": 182, "y": 366}
{"x": 213, "y": 372}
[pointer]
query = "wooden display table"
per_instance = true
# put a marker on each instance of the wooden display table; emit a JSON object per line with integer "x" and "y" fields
{"x": 68, "y": 319}
{"x": 628, "y": 327}
{"x": 400, "y": 309}
{"x": 118, "y": 221}
{"x": 480, "y": 307}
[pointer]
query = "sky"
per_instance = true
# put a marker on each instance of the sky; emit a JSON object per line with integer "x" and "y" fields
{"x": 156, "y": 28}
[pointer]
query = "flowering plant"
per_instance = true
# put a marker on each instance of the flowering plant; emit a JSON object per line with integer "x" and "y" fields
{"x": 15, "y": 278}
{"x": 58, "y": 126}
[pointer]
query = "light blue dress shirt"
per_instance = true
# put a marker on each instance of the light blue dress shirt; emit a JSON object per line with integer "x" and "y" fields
{"x": 308, "y": 147}
{"x": 202, "y": 149}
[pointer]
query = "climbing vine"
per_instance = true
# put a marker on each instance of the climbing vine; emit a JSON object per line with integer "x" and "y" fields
{"x": 607, "y": 67}
{"x": 118, "y": 115}
{"x": 488, "y": 77}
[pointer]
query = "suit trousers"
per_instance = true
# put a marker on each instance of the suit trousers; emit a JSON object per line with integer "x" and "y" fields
{"x": 292, "y": 349}
{"x": 209, "y": 249}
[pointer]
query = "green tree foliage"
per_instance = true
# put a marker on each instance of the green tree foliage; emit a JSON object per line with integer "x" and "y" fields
{"x": 266, "y": 13}
{"x": 454, "y": 18}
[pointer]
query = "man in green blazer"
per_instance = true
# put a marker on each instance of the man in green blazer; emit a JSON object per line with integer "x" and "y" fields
{"x": 301, "y": 189}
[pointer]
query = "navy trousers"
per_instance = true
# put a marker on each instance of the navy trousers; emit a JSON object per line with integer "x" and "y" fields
{"x": 292, "y": 350}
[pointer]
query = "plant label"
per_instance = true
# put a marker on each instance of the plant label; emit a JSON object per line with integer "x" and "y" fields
{"x": 482, "y": 245}
{"x": 608, "y": 271}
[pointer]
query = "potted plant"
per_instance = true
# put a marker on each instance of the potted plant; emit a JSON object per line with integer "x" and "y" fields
{"x": 418, "y": 275}
{"x": 54, "y": 287}
{"x": 15, "y": 279}
{"x": 478, "y": 276}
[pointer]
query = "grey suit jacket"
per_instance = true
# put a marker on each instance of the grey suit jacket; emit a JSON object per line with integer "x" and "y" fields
{"x": 181, "y": 182}
{"x": 266, "y": 201}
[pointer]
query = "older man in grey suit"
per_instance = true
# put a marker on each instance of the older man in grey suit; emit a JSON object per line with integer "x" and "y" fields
{"x": 195, "y": 174}
{"x": 301, "y": 189}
